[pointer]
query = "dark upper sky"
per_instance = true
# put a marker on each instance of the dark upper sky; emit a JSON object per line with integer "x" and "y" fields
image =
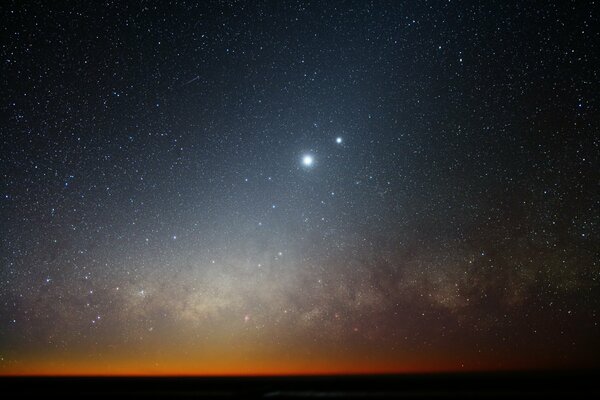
{"x": 292, "y": 187}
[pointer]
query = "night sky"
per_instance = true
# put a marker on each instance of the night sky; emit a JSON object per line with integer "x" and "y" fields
{"x": 298, "y": 187}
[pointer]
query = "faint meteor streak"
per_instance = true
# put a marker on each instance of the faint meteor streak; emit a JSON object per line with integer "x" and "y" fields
{"x": 191, "y": 80}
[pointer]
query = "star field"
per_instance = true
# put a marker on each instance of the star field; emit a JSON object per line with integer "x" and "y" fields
{"x": 298, "y": 187}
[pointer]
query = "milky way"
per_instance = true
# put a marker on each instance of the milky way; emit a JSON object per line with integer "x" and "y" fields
{"x": 298, "y": 187}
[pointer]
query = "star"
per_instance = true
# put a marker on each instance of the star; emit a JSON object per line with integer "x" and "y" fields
{"x": 308, "y": 160}
{"x": 339, "y": 140}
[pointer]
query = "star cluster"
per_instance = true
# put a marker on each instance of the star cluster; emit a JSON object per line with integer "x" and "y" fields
{"x": 298, "y": 187}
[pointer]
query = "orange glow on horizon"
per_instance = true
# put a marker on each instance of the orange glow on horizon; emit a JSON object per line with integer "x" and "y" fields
{"x": 175, "y": 368}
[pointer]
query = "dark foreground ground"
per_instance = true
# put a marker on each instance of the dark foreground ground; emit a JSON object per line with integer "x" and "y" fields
{"x": 531, "y": 385}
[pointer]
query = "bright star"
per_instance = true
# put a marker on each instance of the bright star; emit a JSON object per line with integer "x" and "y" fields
{"x": 338, "y": 140}
{"x": 307, "y": 160}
